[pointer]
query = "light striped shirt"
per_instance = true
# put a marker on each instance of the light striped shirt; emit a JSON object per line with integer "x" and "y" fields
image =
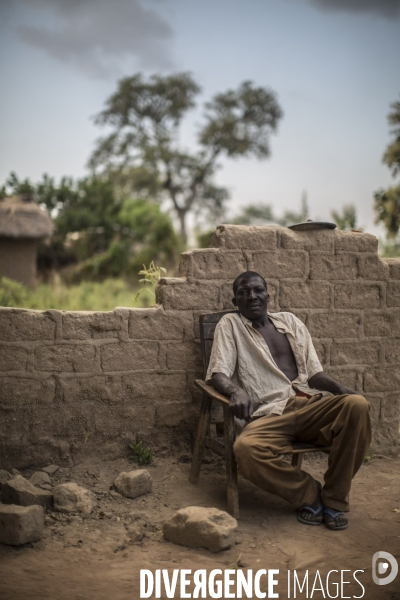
{"x": 241, "y": 353}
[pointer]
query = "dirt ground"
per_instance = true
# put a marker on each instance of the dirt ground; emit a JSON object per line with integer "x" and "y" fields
{"x": 99, "y": 557}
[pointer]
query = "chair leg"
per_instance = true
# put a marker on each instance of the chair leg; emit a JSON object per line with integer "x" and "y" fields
{"x": 230, "y": 464}
{"x": 297, "y": 459}
{"x": 199, "y": 444}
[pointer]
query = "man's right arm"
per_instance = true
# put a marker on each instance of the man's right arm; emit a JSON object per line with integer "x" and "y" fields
{"x": 239, "y": 401}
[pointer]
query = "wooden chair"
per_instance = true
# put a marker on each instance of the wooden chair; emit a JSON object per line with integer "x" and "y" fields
{"x": 208, "y": 433}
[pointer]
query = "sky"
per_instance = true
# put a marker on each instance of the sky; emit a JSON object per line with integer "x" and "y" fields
{"x": 333, "y": 64}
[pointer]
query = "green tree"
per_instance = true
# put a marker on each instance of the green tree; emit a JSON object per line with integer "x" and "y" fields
{"x": 387, "y": 202}
{"x": 392, "y": 154}
{"x": 347, "y": 219}
{"x": 108, "y": 236}
{"x": 260, "y": 214}
{"x": 142, "y": 151}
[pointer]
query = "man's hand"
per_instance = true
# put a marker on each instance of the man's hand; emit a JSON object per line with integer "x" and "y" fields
{"x": 241, "y": 405}
{"x": 239, "y": 401}
{"x": 322, "y": 381}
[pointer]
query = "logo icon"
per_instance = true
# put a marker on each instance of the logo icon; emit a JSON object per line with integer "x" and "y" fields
{"x": 380, "y": 568}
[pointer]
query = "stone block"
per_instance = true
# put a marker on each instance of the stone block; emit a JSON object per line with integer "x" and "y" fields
{"x": 286, "y": 264}
{"x": 394, "y": 267}
{"x": 98, "y": 388}
{"x": 346, "y": 376}
{"x": 178, "y": 294}
{"x": 304, "y": 295}
{"x": 129, "y": 357}
{"x": 25, "y": 391}
{"x": 109, "y": 424}
{"x": 334, "y": 325}
{"x": 362, "y": 352}
{"x": 39, "y": 479}
{"x": 140, "y": 388}
{"x": 335, "y": 267}
{"x": 67, "y": 358}
{"x": 18, "y": 324}
{"x": 159, "y": 324}
{"x": 20, "y": 491}
{"x": 133, "y": 483}
{"x": 20, "y": 524}
{"x": 183, "y": 356}
{"x": 322, "y": 240}
{"x": 13, "y": 358}
{"x": 211, "y": 263}
{"x": 81, "y": 325}
{"x": 177, "y": 414}
{"x": 351, "y": 241}
{"x": 70, "y": 497}
{"x": 199, "y": 527}
{"x": 382, "y": 324}
{"x": 382, "y": 380}
{"x": 237, "y": 237}
{"x": 393, "y": 294}
{"x": 392, "y": 351}
{"x": 357, "y": 295}
{"x": 370, "y": 266}
{"x": 390, "y": 409}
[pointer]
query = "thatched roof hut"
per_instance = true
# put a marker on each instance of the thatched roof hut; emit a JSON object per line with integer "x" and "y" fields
{"x": 22, "y": 218}
{"x": 22, "y": 224}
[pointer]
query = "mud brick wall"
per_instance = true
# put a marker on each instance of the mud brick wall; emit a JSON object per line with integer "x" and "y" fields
{"x": 75, "y": 383}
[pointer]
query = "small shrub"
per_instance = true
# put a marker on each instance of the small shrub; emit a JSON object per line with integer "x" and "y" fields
{"x": 144, "y": 456}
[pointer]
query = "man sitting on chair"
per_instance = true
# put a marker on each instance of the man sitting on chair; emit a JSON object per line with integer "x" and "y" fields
{"x": 266, "y": 363}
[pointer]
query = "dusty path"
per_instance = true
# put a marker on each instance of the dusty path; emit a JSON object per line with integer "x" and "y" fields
{"x": 100, "y": 557}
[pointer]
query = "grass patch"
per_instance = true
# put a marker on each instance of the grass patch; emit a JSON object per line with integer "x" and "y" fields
{"x": 88, "y": 295}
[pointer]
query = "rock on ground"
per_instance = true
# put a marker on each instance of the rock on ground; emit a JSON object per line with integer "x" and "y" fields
{"x": 40, "y": 479}
{"x": 51, "y": 469}
{"x": 199, "y": 527}
{"x": 20, "y": 524}
{"x": 134, "y": 483}
{"x": 20, "y": 491}
{"x": 70, "y": 497}
{"x": 4, "y": 476}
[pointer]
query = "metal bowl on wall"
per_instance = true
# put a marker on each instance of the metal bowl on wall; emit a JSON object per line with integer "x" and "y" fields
{"x": 310, "y": 225}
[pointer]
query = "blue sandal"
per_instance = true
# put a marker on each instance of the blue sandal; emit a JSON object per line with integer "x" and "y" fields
{"x": 331, "y": 522}
{"x": 317, "y": 511}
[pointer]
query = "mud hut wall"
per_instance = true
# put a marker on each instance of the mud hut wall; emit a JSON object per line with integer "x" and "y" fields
{"x": 75, "y": 383}
{"x": 18, "y": 260}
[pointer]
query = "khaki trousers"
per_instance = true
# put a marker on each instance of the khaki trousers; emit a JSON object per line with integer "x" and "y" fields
{"x": 341, "y": 422}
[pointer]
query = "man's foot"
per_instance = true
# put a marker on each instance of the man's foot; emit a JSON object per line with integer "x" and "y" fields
{"x": 312, "y": 514}
{"x": 335, "y": 519}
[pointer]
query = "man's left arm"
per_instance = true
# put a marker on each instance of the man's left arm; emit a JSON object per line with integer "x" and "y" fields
{"x": 322, "y": 381}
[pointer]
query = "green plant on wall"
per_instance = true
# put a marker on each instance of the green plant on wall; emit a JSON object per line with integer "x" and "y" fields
{"x": 152, "y": 276}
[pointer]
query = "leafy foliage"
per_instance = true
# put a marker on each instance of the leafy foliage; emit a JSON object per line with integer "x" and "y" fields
{"x": 387, "y": 207}
{"x": 260, "y": 214}
{"x": 392, "y": 154}
{"x": 98, "y": 234}
{"x": 142, "y": 153}
{"x": 347, "y": 219}
{"x": 387, "y": 202}
{"x": 144, "y": 456}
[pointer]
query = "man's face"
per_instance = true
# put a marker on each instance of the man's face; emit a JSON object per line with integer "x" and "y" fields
{"x": 252, "y": 298}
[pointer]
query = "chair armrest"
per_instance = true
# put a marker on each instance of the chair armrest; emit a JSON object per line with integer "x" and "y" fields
{"x": 212, "y": 392}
